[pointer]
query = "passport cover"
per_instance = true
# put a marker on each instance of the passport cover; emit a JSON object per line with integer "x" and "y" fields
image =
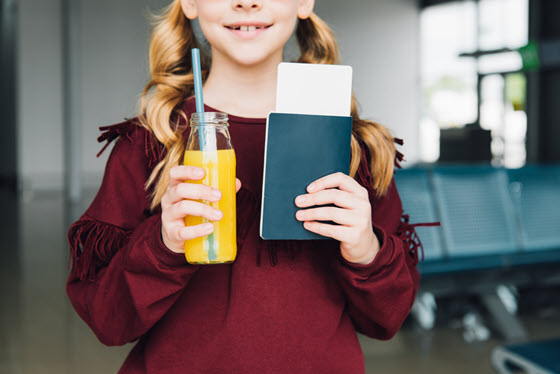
{"x": 299, "y": 149}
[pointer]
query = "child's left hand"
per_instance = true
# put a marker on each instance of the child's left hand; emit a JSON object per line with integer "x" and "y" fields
{"x": 358, "y": 242}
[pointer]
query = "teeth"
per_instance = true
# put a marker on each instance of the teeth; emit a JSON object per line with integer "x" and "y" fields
{"x": 245, "y": 28}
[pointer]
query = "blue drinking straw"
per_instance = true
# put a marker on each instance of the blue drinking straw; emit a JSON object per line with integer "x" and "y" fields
{"x": 198, "y": 96}
{"x": 199, "y": 99}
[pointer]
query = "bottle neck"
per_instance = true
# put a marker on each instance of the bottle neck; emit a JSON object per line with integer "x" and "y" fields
{"x": 209, "y": 119}
{"x": 209, "y": 136}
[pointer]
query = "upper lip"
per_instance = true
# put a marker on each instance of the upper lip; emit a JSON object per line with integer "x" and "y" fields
{"x": 247, "y": 23}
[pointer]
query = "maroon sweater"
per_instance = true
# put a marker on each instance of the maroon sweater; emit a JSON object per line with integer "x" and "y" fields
{"x": 297, "y": 312}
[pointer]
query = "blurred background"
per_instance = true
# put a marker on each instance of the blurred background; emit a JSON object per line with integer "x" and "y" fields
{"x": 473, "y": 88}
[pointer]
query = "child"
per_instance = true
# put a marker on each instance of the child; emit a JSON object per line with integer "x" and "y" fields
{"x": 299, "y": 311}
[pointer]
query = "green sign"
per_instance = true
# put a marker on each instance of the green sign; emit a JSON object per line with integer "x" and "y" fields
{"x": 515, "y": 90}
{"x": 530, "y": 56}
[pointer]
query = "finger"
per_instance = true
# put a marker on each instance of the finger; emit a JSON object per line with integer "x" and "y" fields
{"x": 237, "y": 185}
{"x": 337, "y": 180}
{"x": 182, "y": 173}
{"x": 342, "y": 216}
{"x": 191, "y": 191}
{"x": 196, "y": 231}
{"x": 335, "y": 196}
{"x": 172, "y": 231}
{"x": 193, "y": 208}
{"x": 339, "y": 233}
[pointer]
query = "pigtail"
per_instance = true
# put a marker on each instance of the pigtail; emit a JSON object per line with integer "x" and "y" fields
{"x": 170, "y": 84}
{"x": 316, "y": 41}
{"x": 318, "y": 46}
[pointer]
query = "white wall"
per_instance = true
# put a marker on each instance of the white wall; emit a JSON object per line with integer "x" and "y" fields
{"x": 378, "y": 38}
{"x": 113, "y": 53}
{"x": 39, "y": 84}
{"x": 114, "y": 69}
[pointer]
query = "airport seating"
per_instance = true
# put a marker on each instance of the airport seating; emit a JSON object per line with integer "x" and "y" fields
{"x": 500, "y": 228}
{"x": 539, "y": 357}
{"x": 491, "y": 218}
{"x": 535, "y": 194}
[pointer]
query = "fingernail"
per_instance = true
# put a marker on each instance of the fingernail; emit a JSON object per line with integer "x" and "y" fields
{"x": 311, "y": 188}
{"x": 216, "y": 193}
{"x": 209, "y": 227}
{"x": 199, "y": 172}
{"x": 300, "y": 200}
{"x": 217, "y": 215}
{"x": 299, "y": 214}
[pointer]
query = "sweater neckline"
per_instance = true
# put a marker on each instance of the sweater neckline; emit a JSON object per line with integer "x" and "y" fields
{"x": 190, "y": 108}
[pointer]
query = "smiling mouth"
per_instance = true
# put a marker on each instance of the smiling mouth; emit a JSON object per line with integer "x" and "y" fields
{"x": 247, "y": 28}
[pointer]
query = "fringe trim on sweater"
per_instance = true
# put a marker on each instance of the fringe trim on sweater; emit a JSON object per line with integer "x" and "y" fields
{"x": 93, "y": 244}
{"x": 410, "y": 238}
{"x": 110, "y": 133}
{"x": 399, "y": 157}
{"x": 273, "y": 247}
{"x": 154, "y": 150}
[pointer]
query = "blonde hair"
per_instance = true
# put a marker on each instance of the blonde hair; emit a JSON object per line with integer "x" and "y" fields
{"x": 172, "y": 82}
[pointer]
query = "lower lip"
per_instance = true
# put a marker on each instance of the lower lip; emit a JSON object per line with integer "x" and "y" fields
{"x": 248, "y": 35}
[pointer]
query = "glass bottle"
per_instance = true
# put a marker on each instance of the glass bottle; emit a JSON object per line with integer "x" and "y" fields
{"x": 209, "y": 147}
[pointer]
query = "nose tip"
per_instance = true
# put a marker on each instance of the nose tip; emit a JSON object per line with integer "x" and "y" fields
{"x": 247, "y": 4}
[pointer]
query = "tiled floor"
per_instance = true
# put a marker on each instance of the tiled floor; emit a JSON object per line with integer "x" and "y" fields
{"x": 40, "y": 332}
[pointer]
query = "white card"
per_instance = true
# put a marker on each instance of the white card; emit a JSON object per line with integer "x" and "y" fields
{"x": 314, "y": 89}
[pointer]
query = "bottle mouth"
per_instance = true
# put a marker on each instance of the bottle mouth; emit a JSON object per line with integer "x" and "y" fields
{"x": 209, "y": 119}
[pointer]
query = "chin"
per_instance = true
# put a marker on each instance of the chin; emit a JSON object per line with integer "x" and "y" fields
{"x": 250, "y": 56}
{"x": 251, "y": 60}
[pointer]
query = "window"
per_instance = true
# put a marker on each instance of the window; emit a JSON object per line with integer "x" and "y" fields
{"x": 471, "y": 73}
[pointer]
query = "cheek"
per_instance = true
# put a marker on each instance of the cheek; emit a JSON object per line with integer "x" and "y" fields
{"x": 211, "y": 26}
{"x": 286, "y": 26}
{"x": 207, "y": 30}
{"x": 210, "y": 13}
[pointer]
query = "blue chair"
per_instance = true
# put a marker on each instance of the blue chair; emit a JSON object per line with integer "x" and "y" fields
{"x": 418, "y": 202}
{"x": 478, "y": 218}
{"x": 535, "y": 191}
{"x": 532, "y": 358}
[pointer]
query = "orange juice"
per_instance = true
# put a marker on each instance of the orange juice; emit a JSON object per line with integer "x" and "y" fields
{"x": 221, "y": 245}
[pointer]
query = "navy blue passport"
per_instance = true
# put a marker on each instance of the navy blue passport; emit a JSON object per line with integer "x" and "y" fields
{"x": 299, "y": 149}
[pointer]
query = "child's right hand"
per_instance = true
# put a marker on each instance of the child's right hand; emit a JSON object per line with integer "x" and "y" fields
{"x": 179, "y": 201}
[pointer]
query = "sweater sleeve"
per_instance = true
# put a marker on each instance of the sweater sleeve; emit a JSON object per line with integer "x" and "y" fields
{"x": 380, "y": 294}
{"x": 123, "y": 278}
